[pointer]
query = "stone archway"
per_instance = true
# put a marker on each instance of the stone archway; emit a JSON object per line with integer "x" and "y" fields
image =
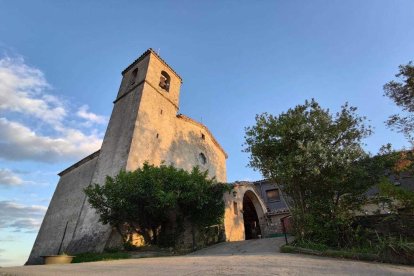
{"x": 245, "y": 214}
{"x": 252, "y": 214}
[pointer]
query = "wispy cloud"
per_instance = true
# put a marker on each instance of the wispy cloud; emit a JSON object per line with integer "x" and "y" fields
{"x": 91, "y": 118}
{"x": 24, "y": 90}
{"x": 18, "y": 142}
{"x": 9, "y": 178}
{"x": 28, "y": 224}
{"x": 8, "y": 238}
{"x": 20, "y": 217}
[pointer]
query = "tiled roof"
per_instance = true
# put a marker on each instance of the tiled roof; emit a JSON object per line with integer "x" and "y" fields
{"x": 278, "y": 211}
{"x": 263, "y": 181}
{"x": 240, "y": 183}
{"x": 147, "y": 52}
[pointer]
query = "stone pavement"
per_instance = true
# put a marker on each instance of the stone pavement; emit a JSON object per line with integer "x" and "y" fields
{"x": 255, "y": 257}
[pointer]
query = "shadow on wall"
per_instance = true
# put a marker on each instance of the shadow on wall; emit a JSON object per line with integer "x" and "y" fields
{"x": 183, "y": 147}
{"x": 191, "y": 150}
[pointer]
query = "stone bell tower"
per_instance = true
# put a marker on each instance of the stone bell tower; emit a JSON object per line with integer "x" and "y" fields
{"x": 149, "y": 92}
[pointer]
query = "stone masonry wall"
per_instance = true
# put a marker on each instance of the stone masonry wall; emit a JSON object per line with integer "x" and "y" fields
{"x": 64, "y": 207}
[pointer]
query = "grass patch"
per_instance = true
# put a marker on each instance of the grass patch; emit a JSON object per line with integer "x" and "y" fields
{"x": 105, "y": 256}
{"x": 287, "y": 249}
{"x": 362, "y": 254}
{"x": 311, "y": 245}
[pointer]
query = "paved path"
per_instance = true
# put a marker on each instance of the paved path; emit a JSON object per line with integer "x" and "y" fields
{"x": 257, "y": 257}
{"x": 250, "y": 247}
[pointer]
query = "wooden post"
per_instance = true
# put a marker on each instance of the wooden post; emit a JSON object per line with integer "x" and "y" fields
{"x": 64, "y": 233}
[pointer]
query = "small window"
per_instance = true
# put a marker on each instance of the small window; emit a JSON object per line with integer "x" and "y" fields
{"x": 161, "y": 112}
{"x": 158, "y": 135}
{"x": 273, "y": 195}
{"x": 203, "y": 136}
{"x": 133, "y": 76}
{"x": 202, "y": 158}
{"x": 235, "y": 208}
{"x": 165, "y": 81}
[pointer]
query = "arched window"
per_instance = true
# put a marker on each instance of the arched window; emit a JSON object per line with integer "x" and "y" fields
{"x": 133, "y": 76}
{"x": 165, "y": 81}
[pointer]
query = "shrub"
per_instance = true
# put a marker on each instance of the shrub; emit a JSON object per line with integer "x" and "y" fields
{"x": 155, "y": 202}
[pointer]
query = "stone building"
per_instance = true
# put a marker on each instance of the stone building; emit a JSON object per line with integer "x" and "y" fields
{"x": 276, "y": 205}
{"x": 254, "y": 210}
{"x": 145, "y": 126}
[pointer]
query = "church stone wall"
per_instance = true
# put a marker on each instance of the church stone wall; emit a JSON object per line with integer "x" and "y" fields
{"x": 189, "y": 144}
{"x": 64, "y": 207}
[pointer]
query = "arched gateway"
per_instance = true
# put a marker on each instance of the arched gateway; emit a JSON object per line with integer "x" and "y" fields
{"x": 245, "y": 215}
{"x": 252, "y": 228}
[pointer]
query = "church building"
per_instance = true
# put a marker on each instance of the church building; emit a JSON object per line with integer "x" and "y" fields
{"x": 145, "y": 126}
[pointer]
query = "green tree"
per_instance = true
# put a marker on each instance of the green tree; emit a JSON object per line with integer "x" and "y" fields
{"x": 200, "y": 201}
{"x": 144, "y": 201}
{"x": 397, "y": 197}
{"x": 320, "y": 164}
{"x": 402, "y": 93}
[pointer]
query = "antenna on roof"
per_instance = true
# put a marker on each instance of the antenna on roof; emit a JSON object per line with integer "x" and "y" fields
{"x": 159, "y": 50}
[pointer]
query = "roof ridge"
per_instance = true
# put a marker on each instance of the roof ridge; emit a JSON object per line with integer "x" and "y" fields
{"x": 150, "y": 50}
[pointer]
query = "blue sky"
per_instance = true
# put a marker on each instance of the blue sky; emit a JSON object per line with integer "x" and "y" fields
{"x": 60, "y": 64}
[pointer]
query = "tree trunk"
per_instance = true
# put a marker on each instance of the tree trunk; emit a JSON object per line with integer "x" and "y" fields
{"x": 193, "y": 236}
{"x": 154, "y": 235}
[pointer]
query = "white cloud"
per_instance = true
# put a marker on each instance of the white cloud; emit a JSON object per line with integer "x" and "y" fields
{"x": 8, "y": 178}
{"x": 89, "y": 116}
{"x": 22, "y": 89}
{"x": 20, "y": 217}
{"x": 18, "y": 142}
{"x": 26, "y": 224}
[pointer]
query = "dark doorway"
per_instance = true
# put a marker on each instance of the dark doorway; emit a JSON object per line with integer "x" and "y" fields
{"x": 251, "y": 220}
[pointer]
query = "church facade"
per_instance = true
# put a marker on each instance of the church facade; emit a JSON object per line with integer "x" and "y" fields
{"x": 145, "y": 126}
